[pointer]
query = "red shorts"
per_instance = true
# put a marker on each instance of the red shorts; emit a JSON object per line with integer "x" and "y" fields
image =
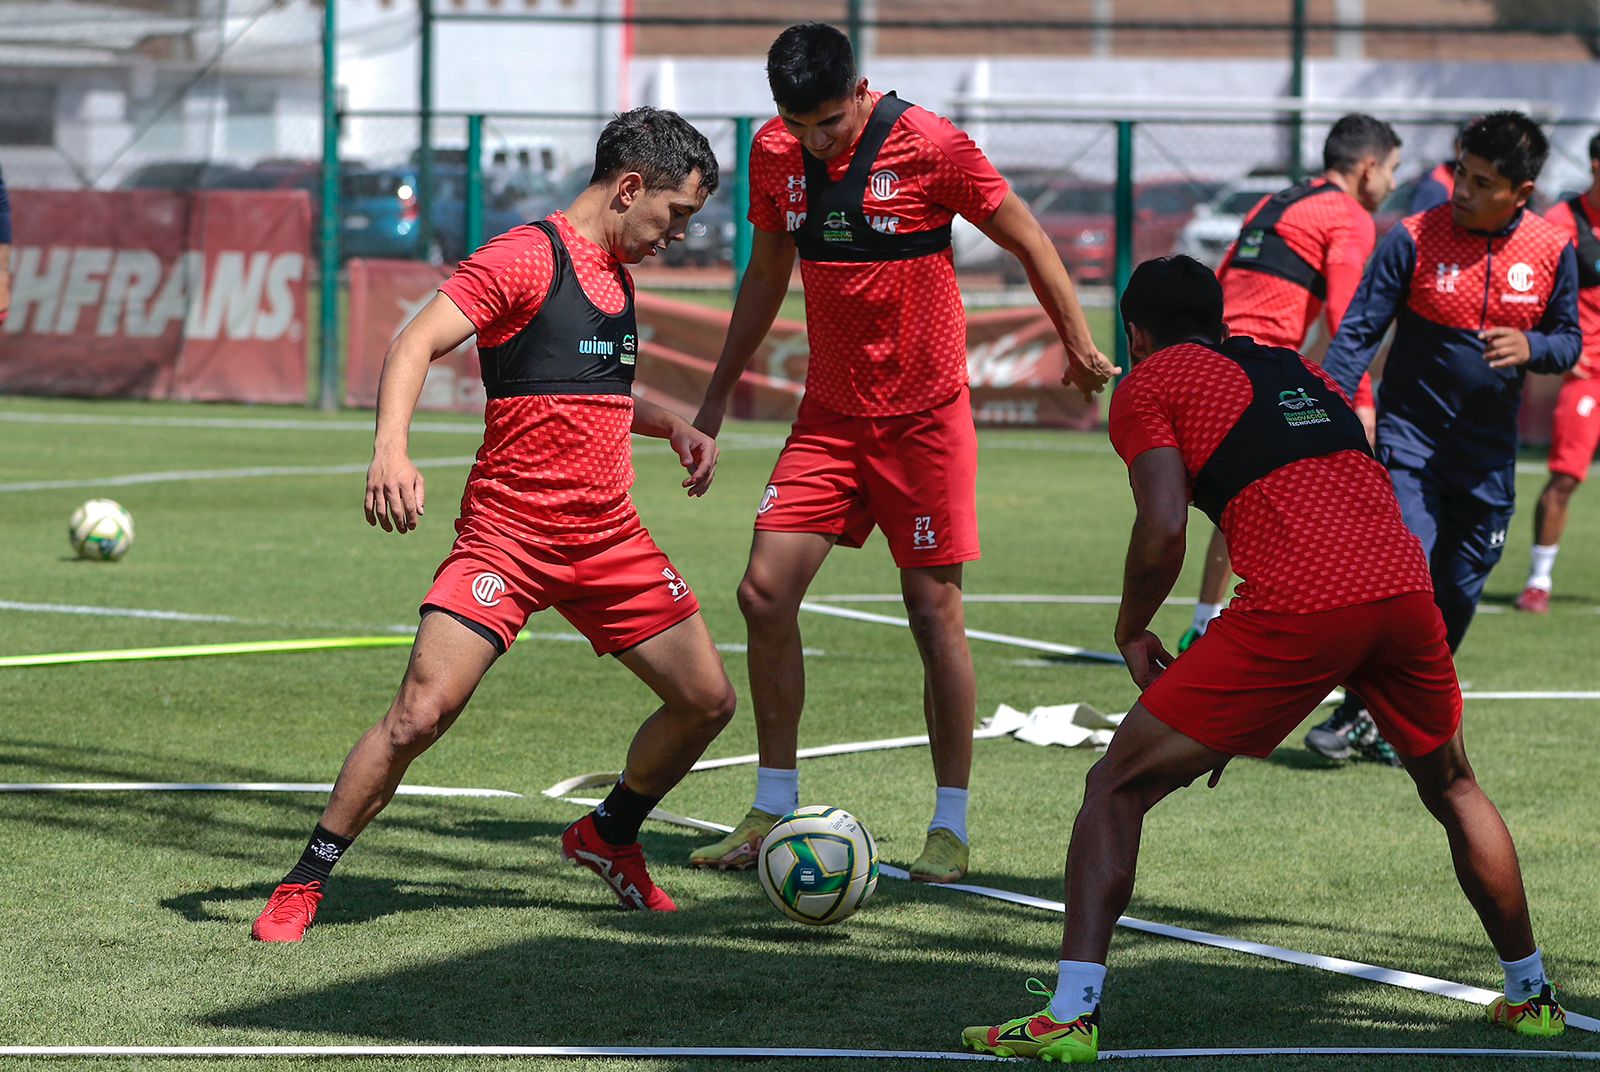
{"x": 915, "y": 476}
{"x": 618, "y": 592}
{"x": 1255, "y": 675}
{"x": 1577, "y": 428}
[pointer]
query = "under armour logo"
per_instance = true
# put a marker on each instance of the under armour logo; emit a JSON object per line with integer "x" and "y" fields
{"x": 675, "y": 584}
{"x": 923, "y": 537}
{"x": 1497, "y": 538}
{"x": 1445, "y": 277}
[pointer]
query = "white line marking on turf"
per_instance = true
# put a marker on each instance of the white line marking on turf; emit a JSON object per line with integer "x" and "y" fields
{"x": 751, "y": 1051}
{"x": 115, "y": 612}
{"x": 184, "y": 475}
{"x": 975, "y": 634}
{"x": 236, "y": 787}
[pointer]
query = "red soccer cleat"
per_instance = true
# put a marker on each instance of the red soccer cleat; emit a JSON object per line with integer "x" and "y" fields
{"x": 1534, "y": 601}
{"x": 622, "y": 866}
{"x": 289, "y": 913}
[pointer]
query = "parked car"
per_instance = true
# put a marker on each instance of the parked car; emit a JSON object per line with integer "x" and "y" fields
{"x": 381, "y": 214}
{"x": 1215, "y": 224}
{"x": 709, "y": 238}
{"x": 182, "y": 175}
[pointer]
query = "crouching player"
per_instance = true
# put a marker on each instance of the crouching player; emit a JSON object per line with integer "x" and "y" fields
{"x": 1336, "y": 590}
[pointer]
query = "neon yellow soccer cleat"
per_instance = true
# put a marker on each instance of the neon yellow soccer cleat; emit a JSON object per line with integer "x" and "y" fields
{"x": 738, "y": 850}
{"x": 1041, "y": 1035}
{"x": 944, "y": 858}
{"x": 1540, "y": 1016}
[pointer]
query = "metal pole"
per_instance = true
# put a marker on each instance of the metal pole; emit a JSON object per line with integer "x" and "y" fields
{"x": 1297, "y": 86}
{"x": 425, "y": 133}
{"x": 1124, "y": 237}
{"x": 743, "y": 232}
{"x": 328, "y": 333}
{"x": 474, "y": 182}
{"x": 854, "y": 29}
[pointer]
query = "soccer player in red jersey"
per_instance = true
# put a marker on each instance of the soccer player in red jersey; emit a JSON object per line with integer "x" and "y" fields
{"x": 1299, "y": 256}
{"x": 546, "y": 519}
{"x": 1336, "y": 589}
{"x": 864, "y": 187}
{"x": 1577, "y": 416}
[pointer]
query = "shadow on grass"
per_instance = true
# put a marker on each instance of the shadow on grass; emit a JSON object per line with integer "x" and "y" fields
{"x": 360, "y": 899}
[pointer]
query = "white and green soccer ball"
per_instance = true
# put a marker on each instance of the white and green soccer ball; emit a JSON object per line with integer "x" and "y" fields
{"x": 818, "y": 864}
{"x": 101, "y": 530}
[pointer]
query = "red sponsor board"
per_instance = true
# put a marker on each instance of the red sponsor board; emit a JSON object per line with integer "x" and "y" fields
{"x": 158, "y": 294}
{"x": 1015, "y": 358}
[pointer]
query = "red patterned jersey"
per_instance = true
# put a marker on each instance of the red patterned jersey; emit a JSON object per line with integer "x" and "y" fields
{"x": 1588, "y": 366}
{"x": 886, "y": 337}
{"x": 1334, "y": 235}
{"x": 556, "y": 467}
{"x": 1313, "y": 535}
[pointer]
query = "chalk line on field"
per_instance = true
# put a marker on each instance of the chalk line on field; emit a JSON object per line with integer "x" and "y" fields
{"x": 975, "y": 634}
{"x": 237, "y": 787}
{"x": 183, "y": 476}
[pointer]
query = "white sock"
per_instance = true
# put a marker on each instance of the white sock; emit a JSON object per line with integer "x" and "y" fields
{"x": 1524, "y": 978}
{"x": 1542, "y": 564}
{"x": 1203, "y": 613}
{"x": 950, "y": 811}
{"x": 1078, "y": 987}
{"x": 777, "y": 790}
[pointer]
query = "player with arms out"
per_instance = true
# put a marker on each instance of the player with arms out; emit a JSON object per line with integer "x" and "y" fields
{"x": 1577, "y": 415}
{"x": 546, "y": 518}
{"x": 1335, "y": 589}
{"x": 1299, "y": 257}
{"x": 864, "y": 186}
{"x": 1481, "y": 292}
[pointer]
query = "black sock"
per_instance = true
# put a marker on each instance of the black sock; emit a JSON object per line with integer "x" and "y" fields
{"x": 322, "y": 852}
{"x": 621, "y": 813}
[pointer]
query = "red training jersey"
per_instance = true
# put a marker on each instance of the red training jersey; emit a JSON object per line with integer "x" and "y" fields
{"x": 555, "y": 467}
{"x": 886, "y": 337}
{"x": 1588, "y": 366}
{"x": 1313, "y": 535}
{"x": 1332, "y": 233}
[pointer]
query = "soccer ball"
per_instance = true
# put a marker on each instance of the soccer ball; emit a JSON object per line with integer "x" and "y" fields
{"x": 818, "y": 864}
{"x": 100, "y": 530}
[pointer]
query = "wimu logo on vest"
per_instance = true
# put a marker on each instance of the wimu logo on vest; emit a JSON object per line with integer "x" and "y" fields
{"x": 1299, "y": 409}
{"x": 603, "y": 347}
{"x": 133, "y": 293}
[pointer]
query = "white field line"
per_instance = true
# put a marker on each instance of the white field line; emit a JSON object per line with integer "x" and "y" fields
{"x": 186, "y": 475}
{"x": 975, "y": 634}
{"x": 1371, "y": 972}
{"x": 744, "y": 1052}
{"x": 236, "y": 787}
{"x": 115, "y": 612}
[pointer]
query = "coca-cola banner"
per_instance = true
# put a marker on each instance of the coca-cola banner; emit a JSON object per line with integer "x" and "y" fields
{"x": 1015, "y": 358}
{"x": 158, "y": 294}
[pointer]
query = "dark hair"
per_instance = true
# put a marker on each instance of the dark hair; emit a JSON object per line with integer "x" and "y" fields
{"x": 660, "y": 145}
{"x": 1354, "y": 138}
{"x": 1173, "y": 298}
{"x": 1594, "y": 147}
{"x": 1510, "y": 141}
{"x": 808, "y": 65}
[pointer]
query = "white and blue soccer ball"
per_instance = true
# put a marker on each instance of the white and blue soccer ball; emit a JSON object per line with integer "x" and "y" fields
{"x": 101, "y": 530}
{"x": 818, "y": 864}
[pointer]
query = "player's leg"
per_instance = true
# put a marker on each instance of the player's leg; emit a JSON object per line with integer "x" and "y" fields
{"x": 1213, "y": 589}
{"x": 447, "y": 661}
{"x": 949, "y": 706}
{"x": 1472, "y": 537}
{"x": 1574, "y": 437}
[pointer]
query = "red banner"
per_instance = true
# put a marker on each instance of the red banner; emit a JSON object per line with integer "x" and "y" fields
{"x": 158, "y": 294}
{"x": 1015, "y": 358}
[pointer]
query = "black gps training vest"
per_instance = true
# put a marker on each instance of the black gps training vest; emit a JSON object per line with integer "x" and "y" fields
{"x": 835, "y": 227}
{"x": 1293, "y": 414}
{"x": 1588, "y": 245}
{"x": 1262, "y": 249}
{"x": 570, "y": 347}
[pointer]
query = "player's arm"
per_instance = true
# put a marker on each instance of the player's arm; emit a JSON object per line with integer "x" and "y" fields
{"x": 761, "y": 294}
{"x": 1014, "y": 229}
{"x": 1377, "y": 300}
{"x": 1557, "y": 343}
{"x": 5, "y": 252}
{"x": 395, "y": 496}
{"x": 696, "y": 450}
{"x": 1155, "y": 557}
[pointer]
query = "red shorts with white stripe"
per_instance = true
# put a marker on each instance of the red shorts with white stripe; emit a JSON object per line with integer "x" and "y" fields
{"x": 913, "y": 475}
{"x": 1577, "y": 428}
{"x": 618, "y": 592}
{"x": 1255, "y": 675}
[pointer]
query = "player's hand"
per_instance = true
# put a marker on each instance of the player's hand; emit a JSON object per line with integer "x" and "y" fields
{"x": 5, "y": 294}
{"x": 1089, "y": 373}
{"x": 709, "y": 419}
{"x": 1146, "y": 658}
{"x": 697, "y": 450}
{"x": 394, "y": 493}
{"x": 1504, "y": 347}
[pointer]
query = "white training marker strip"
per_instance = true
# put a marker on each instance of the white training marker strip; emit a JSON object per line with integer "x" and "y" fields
{"x": 974, "y": 634}
{"x": 183, "y": 476}
{"x": 236, "y": 787}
